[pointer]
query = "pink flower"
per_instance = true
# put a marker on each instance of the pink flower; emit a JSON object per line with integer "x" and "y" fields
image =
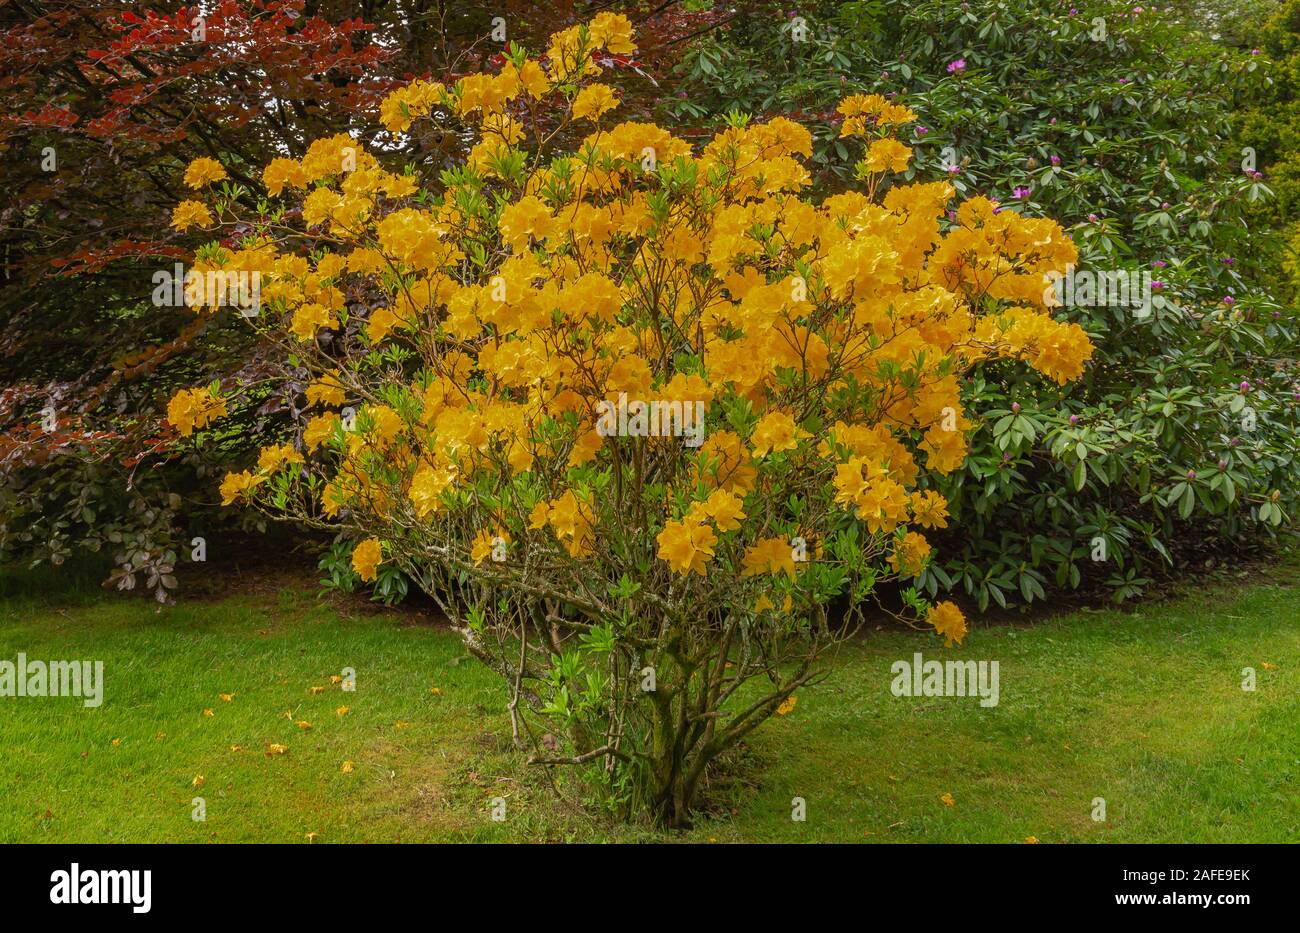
{"x": 956, "y": 67}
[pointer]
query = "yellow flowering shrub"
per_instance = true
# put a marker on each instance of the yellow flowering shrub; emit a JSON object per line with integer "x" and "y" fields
{"x": 635, "y": 414}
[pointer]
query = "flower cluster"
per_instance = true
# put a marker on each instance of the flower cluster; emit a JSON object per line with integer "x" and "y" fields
{"x": 194, "y": 408}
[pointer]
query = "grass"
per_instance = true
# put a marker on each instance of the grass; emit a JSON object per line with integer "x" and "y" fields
{"x": 1144, "y": 709}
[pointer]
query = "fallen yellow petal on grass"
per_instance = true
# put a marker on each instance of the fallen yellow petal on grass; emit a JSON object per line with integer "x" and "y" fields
{"x": 315, "y": 690}
{"x": 787, "y": 705}
{"x": 226, "y": 697}
{"x": 1031, "y": 840}
{"x": 335, "y": 679}
{"x": 274, "y": 749}
{"x": 208, "y": 712}
{"x": 436, "y": 691}
{"x": 303, "y": 724}
{"x": 347, "y": 767}
{"x": 198, "y": 781}
{"x": 948, "y": 801}
{"x": 342, "y": 710}
{"x": 117, "y": 742}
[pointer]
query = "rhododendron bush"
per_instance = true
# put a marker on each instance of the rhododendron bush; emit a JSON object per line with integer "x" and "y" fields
{"x": 504, "y": 368}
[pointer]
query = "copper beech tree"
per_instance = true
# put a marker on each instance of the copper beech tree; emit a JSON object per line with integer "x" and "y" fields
{"x": 635, "y": 415}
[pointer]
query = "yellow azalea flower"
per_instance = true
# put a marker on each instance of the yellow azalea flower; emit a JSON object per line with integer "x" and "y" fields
{"x": 571, "y": 522}
{"x": 319, "y": 430}
{"x": 593, "y": 101}
{"x": 948, "y": 621}
{"x": 527, "y": 217}
{"x": 534, "y": 79}
{"x": 867, "y": 111}
{"x": 612, "y": 32}
{"x": 310, "y": 318}
{"x": 194, "y": 408}
{"x": 687, "y": 547}
{"x": 366, "y": 558}
{"x": 385, "y": 423}
{"x": 239, "y": 485}
{"x": 272, "y": 458}
{"x": 775, "y": 432}
{"x": 929, "y": 509}
{"x": 887, "y": 155}
{"x": 725, "y": 508}
{"x": 281, "y": 174}
{"x": 204, "y": 171}
{"x": 191, "y": 214}
{"x": 427, "y": 487}
{"x": 540, "y": 515}
{"x": 326, "y": 390}
{"x": 769, "y": 555}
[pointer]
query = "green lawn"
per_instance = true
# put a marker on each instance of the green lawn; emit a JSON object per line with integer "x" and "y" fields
{"x": 1144, "y": 709}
